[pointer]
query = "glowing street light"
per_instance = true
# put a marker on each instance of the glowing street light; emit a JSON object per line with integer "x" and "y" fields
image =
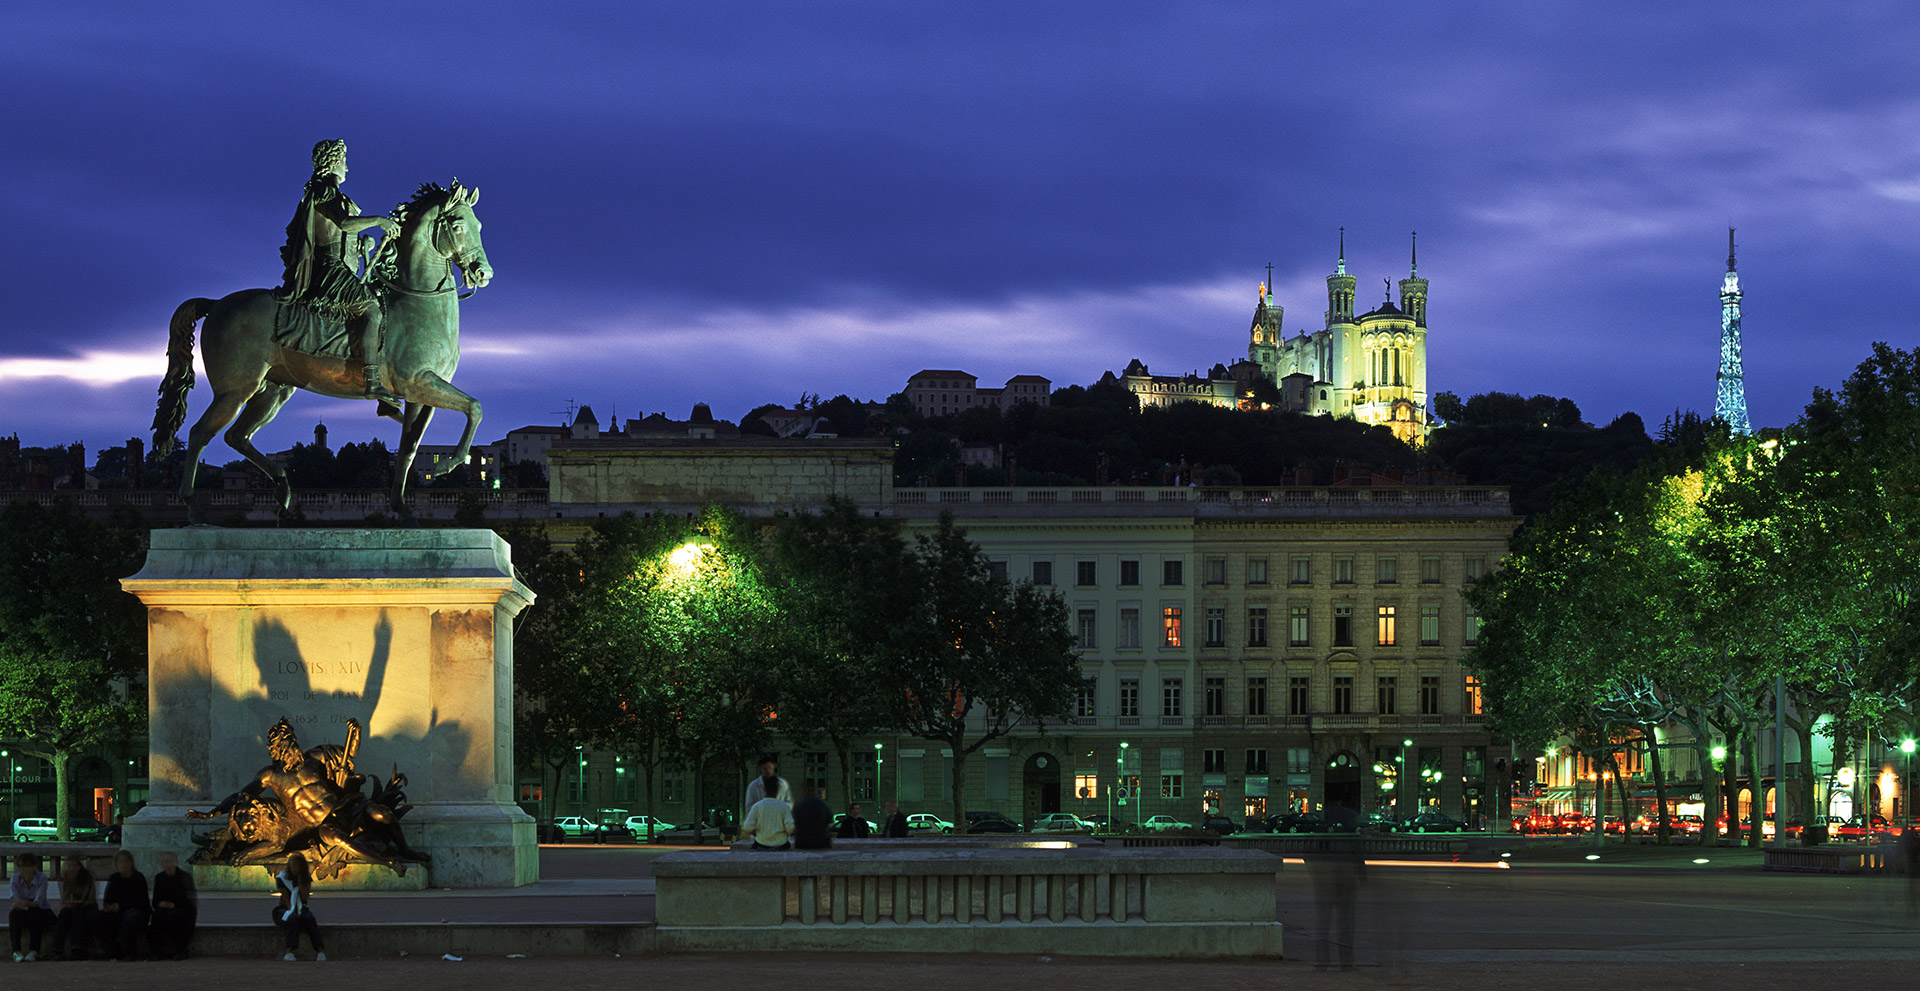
{"x": 686, "y": 557}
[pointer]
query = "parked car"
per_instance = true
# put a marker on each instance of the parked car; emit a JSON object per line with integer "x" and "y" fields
{"x": 1060, "y": 822}
{"x": 638, "y": 826}
{"x": 29, "y": 830}
{"x": 923, "y": 822}
{"x": 1103, "y": 823}
{"x": 991, "y": 822}
{"x": 841, "y": 817}
{"x": 578, "y": 826}
{"x": 1220, "y": 824}
{"x": 1431, "y": 822}
{"x": 79, "y": 830}
{"x": 1161, "y": 824}
{"x": 685, "y": 834}
{"x": 1299, "y": 822}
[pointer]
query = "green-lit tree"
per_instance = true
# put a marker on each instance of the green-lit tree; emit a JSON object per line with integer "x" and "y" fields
{"x": 73, "y": 646}
{"x": 984, "y": 655}
{"x": 847, "y": 587}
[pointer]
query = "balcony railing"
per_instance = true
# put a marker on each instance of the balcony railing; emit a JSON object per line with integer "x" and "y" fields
{"x": 1377, "y": 500}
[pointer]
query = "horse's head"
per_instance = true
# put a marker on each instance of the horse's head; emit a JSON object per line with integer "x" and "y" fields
{"x": 437, "y": 228}
{"x": 456, "y": 234}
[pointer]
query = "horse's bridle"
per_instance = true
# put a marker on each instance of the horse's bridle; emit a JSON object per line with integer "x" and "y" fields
{"x": 447, "y": 282}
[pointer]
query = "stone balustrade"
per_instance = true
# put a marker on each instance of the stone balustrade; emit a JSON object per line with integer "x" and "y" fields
{"x": 1074, "y": 900}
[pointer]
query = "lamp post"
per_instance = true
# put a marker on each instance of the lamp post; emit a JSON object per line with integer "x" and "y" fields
{"x": 1119, "y": 781}
{"x": 878, "y": 749}
{"x": 581, "y": 809}
{"x": 1907, "y": 803}
{"x": 13, "y": 801}
{"x": 1723, "y": 807}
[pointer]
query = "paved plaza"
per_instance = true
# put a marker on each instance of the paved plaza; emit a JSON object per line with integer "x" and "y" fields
{"x": 1550, "y": 918}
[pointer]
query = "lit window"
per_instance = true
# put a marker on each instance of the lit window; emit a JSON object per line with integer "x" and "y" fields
{"x": 1170, "y": 627}
{"x": 1386, "y": 627}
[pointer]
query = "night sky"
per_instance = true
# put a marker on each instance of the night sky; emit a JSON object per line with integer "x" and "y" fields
{"x": 739, "y": 203}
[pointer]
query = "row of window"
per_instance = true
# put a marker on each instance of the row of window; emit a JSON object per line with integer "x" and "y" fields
{"x": 1386, "y": 697}
{"x": 1386, "y": 626}
{"x": 1300, "y": 571}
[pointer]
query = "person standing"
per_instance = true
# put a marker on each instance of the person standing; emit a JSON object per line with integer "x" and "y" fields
{"x": 812, "y": 821}
{"x": 175, "y": 907}
{"x": 896, "y": 825}
{"x": 124, "y": 909}
{"x": 79, "y": 910}
{"x": 768, "y": 784}
{"x": 769, "y": 824}
{"x": 854, "y": 826}
{"x": 294, "y": 888}
{"x": 28, "y": 911}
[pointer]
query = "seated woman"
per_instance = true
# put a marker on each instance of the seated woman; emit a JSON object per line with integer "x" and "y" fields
{"x": 79, "y": 910}
{"x": 294, "y": 888}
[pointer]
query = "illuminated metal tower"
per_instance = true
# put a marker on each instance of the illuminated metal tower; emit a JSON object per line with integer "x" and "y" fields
{"x": 1730, "y": 404}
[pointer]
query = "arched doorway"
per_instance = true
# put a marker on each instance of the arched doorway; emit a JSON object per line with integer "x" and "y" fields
{"x": 1040, "y": 786}
{"x": 1342, "y": 786}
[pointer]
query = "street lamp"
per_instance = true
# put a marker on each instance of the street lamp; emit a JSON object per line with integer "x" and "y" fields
{"x": 877, "y": 761}
{"x": 582, "y": 807}
{"x": 1723, "y": 809}
{"x": 1907, "y": 748}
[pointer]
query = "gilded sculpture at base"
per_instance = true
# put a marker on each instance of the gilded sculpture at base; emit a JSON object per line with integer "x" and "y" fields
{"x": 311, "y": 802}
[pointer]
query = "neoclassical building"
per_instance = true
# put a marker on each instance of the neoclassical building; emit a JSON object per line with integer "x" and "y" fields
{"x": 1246, "y": 649}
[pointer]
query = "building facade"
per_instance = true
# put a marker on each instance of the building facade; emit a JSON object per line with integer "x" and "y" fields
{"x": 948, "y": 392}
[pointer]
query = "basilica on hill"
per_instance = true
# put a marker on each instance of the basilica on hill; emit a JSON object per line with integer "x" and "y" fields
{"x": 1372, "y": 367}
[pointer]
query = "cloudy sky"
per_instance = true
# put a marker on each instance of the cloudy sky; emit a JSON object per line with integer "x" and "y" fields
{"x": 737, "y": 203}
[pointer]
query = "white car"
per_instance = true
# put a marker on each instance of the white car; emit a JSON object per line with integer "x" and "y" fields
{"x": 639, "y": 824}
{"x": 1157, "y": 824}
{"x": 1061, "y": 822}
{"x": 925, "y": 823}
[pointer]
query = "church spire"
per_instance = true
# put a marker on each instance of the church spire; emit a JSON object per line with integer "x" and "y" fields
{"x": 1730, "y": 400}
{"x": 1413, "y": 269}
{"x": 1340, "y": 288}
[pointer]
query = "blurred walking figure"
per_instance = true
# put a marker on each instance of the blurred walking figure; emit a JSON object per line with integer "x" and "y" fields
{"x": 1337, "y": 874}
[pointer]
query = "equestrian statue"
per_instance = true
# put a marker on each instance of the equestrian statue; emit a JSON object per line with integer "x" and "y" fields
{"x": 351, "y": 320}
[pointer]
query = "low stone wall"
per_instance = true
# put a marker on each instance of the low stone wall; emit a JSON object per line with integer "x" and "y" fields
{"x": 1084, "y": 900}
{"x": 98, "y": 857}
{"x": 1829, "y": 859}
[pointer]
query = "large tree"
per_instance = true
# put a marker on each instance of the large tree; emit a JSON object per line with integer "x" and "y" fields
{"x": 984, "y": 656}
{"x": 73, "y": 646}
{"x": 846, "y": 585}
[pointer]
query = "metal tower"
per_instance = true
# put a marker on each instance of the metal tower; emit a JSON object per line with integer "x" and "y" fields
{"x": 1730, "y": 402}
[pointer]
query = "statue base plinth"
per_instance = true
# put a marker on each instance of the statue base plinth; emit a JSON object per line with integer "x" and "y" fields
{"x": 352, "y": 877}
{"x": 409, "y": 633}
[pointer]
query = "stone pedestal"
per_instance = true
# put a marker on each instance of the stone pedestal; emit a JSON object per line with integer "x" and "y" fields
{"x": 410, "y": 631}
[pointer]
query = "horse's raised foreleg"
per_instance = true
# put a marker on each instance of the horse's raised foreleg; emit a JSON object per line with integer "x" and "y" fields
{"x": 433, "y": 390}
{"x": 259, "y": 411}
{"x": 225, "y": 406}
{"x": 413, "y": 426}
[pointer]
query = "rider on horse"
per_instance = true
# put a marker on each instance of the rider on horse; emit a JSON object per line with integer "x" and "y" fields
{"x": 322, "y": 258}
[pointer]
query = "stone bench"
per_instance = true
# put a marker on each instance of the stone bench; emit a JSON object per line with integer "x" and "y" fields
{"x": 1073, "y": 900}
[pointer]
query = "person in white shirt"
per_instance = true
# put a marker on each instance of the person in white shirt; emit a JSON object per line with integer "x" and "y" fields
{"x": 768, "y": 784}
{"x": 769, "y": 824}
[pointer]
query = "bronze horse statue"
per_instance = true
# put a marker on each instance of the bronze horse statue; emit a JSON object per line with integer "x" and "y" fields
{"x": 253, "y": 374}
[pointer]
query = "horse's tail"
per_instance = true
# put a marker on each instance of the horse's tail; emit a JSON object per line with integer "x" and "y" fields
{"x": 172, "y": 410}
